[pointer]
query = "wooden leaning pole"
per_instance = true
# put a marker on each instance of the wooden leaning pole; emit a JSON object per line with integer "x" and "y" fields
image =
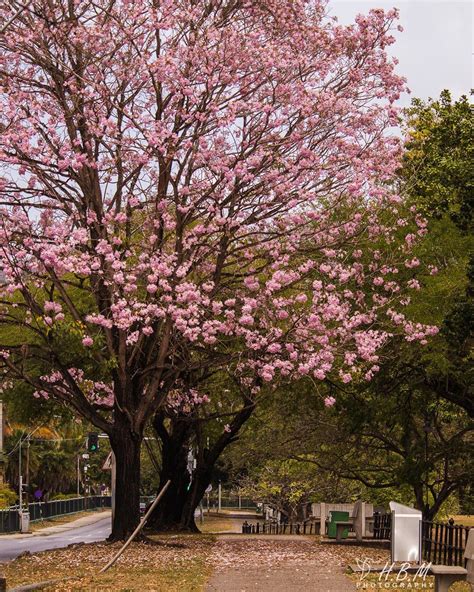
{"x": 138, "y": 528}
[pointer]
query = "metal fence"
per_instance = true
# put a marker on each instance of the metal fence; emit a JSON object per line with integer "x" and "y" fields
{"x": 382, "y": 526}
{"x": 233, "y": 502}
{"x": 306, "y": 527}
{"x": 10, "y": 520}
{"x": 444, "y": 543}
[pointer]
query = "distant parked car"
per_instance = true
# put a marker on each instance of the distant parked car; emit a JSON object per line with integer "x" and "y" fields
{"x": 145, "y": 503}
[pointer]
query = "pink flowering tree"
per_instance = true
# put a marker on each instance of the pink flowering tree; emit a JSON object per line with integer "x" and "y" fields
{"x": 191, "y": 185}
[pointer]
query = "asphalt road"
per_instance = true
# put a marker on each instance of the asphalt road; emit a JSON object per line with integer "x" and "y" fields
{"x": 11, "y": 547}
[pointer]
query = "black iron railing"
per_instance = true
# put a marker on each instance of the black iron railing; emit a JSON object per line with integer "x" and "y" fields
{"x": 306, "y": 527}
{"x": 382, "y": 526}
{"x": 10, "y": 520}
{"x": 444, "y": 543}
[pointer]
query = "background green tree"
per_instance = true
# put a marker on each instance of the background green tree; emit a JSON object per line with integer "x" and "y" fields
{"x": 406, "y": 435}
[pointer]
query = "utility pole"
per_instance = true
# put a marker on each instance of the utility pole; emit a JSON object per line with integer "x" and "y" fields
{"x": 2, "y": 459}
{"x": 27, "y": 469}
{"x": 21, "y": 494}
{"x": 220, "y": 497}
{"x": 24, "y": 514}
{"x": 20, "y": 477}
{"x": 78, "y": 475}
{"x": 27, "y": 438}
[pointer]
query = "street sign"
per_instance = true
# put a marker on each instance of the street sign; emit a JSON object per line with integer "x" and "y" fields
{"x": 209, "y": 488}
{"x": 107, "y": 466}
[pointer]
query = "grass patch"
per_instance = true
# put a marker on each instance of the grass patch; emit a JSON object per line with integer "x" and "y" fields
{"x": 174, "y": 564}
{"x": 216, "y": 524}
{"x": 465, "y": 520}
{"x": 189, "y": 578}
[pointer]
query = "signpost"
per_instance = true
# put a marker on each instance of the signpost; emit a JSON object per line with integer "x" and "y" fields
{"x": 107, "y": 466}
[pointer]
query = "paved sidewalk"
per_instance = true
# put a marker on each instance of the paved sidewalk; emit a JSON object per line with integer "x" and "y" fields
{"x": 92, "y": 518}
{"x": 276, "y": 564}
{"x": 279, "y": 579}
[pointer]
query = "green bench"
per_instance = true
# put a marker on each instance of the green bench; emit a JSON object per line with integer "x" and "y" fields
{"x": 341, "y": 528}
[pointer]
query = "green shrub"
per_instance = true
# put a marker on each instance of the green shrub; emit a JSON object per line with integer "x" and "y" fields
{"x": 63, "y": 496}
{"x": 7, "y": 496}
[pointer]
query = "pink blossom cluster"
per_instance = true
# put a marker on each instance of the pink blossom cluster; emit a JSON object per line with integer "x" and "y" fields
{"x": 203, "y": 180}
{"x": 185, "y": 401}
{"x": 98, "y": 393}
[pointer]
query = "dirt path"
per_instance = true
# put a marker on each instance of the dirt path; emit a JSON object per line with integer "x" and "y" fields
{"x": 276, "y": 564}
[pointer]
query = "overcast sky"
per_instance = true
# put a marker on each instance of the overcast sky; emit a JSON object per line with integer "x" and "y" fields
{"x": 436, "y": 46}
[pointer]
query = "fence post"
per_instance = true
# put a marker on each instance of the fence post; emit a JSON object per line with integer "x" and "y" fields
{"x": 323, "y": 516}
{"x": 469, "y": 556}
{"x": 437, "y": 544}
{"x": 450, "y": 541}
{"x": 421, "y": 542}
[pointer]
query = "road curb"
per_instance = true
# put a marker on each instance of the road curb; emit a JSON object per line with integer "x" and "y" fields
{"x": 41, "y": 585}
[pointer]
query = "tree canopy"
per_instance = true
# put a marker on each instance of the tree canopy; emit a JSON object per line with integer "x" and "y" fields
{"x": 185, "y": 187}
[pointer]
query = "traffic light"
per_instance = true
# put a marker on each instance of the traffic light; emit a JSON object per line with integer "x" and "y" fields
{"x": 93, "y": 442}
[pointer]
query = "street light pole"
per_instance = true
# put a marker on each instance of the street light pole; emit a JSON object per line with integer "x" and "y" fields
{"x": 2, "y": 460}
{"x": 20, "y": 477}
{"x": 28, "y": 436}
{"x": 27, "y": 469}
{"x": 78, "y": 475}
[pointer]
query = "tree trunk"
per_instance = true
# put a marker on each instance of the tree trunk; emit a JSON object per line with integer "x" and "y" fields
{"x": 201, "y": 479}
{"x": 174, "y": 466}
{"x": 429, "y": 511}
{"x": 168, "y": 514}
{"x": 126, "y": 446}
{"x": 176, "y": 511}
